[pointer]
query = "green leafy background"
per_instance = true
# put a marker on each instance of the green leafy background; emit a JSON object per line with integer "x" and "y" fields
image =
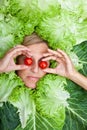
{"x": 64, "y": 25}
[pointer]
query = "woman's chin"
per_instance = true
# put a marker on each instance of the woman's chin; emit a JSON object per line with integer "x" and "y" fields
{"x": 31, "y": 85}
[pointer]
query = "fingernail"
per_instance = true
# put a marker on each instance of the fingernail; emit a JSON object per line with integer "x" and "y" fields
{"x": 44, "y": 54}
{"x": 29, "y": 53}
{"x": 43, "y": 59}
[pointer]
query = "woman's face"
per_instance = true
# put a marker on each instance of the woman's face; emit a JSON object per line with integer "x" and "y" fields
{"x": 33, "y": 73}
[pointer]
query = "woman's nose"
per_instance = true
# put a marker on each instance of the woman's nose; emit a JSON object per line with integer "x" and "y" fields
{"x": 35, "y": 68}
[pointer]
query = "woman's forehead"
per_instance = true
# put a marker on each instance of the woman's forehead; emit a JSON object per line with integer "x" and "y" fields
{"x": 38, "y": 48}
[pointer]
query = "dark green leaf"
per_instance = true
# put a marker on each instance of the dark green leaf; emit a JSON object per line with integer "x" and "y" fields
{"x": 8, "y": 117}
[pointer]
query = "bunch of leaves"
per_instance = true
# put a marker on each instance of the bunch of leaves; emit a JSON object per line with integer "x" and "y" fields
{"x": 33, "y": 9}
{"x": 50, "y": 93}
{"x": 21, "y": 99}
{"x": 63, "y": 24}
{"x": 63, "y": 30}
{"x": 57, "y": 103}
{"x": 12, "y": 32}
{"x": 76, "y": 7}
{"x": 29, "y": 103}
{"x": 76, "y": 113}
{"x": 8, "y": 82}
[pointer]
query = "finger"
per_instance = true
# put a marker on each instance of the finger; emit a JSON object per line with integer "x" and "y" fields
{"x": 19, "y": 47}
{"x": 49, "y": 58}
{"x": 62, "y": 53}
{"x": 27, "y": 54}
{"x": 18, "y": 51}
{"x": 47, "y": 54}
{"x": 17, "y": 54}
{"x": 55, "y": 52}
{"x": 50, "y": 70}
{"x": 59, "y": 60}
{"x": 66, "y": 57}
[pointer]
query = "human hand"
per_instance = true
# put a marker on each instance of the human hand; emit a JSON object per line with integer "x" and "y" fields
{"x": 8, "y": 64}
{"x": 64, "y": 67}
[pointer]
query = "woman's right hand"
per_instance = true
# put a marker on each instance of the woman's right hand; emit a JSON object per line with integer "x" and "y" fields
{"x": 8, "y": 64}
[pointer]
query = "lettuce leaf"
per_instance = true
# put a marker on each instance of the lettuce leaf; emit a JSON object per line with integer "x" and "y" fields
{"x": 63, "y": 30}
{"x": 22, "y": 8}
{"x": 21, "y": 99}
{"x": 56, "y": 31}
{"x": 38, "y": 122}
{"x": 50, "y": 95}
{"x": 74, "y": 6}
{"x": 7, "y": 83}
{"x": 12, "y": 32}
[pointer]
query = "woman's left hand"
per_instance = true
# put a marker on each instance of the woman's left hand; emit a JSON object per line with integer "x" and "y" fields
{"x": 64, "y": 67}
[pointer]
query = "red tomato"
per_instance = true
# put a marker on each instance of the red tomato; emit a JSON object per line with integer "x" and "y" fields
{"x": 28, "y": 61}
{"x": 43, "y": 64}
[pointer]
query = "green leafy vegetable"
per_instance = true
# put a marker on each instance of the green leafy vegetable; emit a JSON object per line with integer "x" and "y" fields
{"x": 75, "y": 59}
{"x": 28, "y": 108}
{"x": 22, "y": 8}
{"x": 76, "y": 7}
{"x": 7, "y": 83}
{"x": 21, "y": 99}
{"x": 50, "y": 95}
{"x": 76, "y": 114}
{"x": 8, "y": 117}
{"x": 39, "y": 122}
{"x": 57, "y": 103}
{"x": 56, "y": 31}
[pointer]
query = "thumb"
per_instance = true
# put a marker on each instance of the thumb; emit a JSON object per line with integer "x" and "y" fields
{"x": 21, "y": 67}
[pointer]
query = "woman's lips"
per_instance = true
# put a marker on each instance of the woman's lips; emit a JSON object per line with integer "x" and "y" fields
{"x": 33, "y": 78}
